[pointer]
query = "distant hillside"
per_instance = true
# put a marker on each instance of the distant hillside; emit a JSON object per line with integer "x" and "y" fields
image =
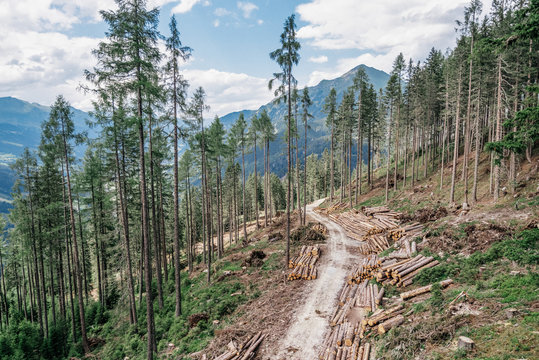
{"x": 318, "y": 135}
{"x": 20, "y": 127}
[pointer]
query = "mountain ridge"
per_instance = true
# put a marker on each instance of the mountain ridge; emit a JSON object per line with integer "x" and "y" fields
{"x": 20, "y": 125}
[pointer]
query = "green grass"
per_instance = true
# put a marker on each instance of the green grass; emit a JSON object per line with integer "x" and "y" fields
{"x": 522, "y": 249}
{"x": 218, "y": 300}
{"x": 374, "y": 201}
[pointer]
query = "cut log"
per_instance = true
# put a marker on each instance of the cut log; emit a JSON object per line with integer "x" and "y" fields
{"x": 390, "y": 323}
{"x": 366, "y": 351}
{"x": 380, "y": 296}
{"x": 422, "y": 290}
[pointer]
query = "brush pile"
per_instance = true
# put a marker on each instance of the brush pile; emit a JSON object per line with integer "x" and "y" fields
{"x": 245, "y": 351}
{"x": 304, "y": 265}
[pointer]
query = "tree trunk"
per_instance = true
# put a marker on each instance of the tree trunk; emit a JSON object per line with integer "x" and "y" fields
{"x": 456, "y": 149}
{"x": 359, "y": 152}
{"x": 243, "y": 189}
{"x": 76, "y": 250}
{"x": 388, "y": 152}
{"x": 305, "y": 173}
{"x": 332, "y": 167}
{"x": 289, "y": 169}
{"x": 498, "y": 132}
{"x": 256, "y": 188}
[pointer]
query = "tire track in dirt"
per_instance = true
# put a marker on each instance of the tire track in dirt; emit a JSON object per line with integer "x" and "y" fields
{"x": 310, "y": 323}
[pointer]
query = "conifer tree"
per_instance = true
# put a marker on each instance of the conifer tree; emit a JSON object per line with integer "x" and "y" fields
{"x": 286, "y": 57}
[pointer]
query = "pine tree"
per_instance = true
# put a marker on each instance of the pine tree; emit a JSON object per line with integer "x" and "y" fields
{"x": 306, "y": 102}
{"x": 286, "y": 57}
{"x": 177, "y": 52}
{"x": 330, "y": 108}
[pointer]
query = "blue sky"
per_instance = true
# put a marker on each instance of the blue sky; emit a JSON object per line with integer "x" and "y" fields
{"x": 45, "y": 45}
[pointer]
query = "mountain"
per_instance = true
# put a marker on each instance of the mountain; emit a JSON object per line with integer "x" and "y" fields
{"x": 318, "y": 135}
{"x": 20, "y": 127}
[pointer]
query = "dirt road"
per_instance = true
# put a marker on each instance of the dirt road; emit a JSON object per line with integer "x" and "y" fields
{"x": 306, "y": 333}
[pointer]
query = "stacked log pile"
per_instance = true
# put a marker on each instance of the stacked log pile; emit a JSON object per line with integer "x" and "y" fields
{"x": 335, "y": 207}
{"x": 304, "y": 265}
{"x": 365, "y": 270}
{"x": 356, "y": 225}
{"x": 320, "y": 228}
{"x": 345, "y": 342}
{"x": 402, "y": 273}
{"x": 245, "y": 351}
{"x": 410, "y": 231}
{"x": 378, "y": 228}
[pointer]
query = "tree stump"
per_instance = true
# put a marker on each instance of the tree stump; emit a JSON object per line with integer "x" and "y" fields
{"x": 511, "y": 313}
{"x": 466, "y": 343}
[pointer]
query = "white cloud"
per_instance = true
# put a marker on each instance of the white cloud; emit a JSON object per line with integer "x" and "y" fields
{"x": 319, "y": 59}
{"x": 316, "y": 76}
{"x": 185, "y": 6}
{"x": 221, "y": 12}
{"x": 216, "y": 23}
{"x": 260, "y": 21}
{"x": 381, "y": 29}
{"x": 38, "y": 66}
{"x": 228, "y": 92}
{"x": 247, "y": 8}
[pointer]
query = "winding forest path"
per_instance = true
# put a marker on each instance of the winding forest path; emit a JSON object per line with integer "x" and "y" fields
{"x": 306, "y": 332}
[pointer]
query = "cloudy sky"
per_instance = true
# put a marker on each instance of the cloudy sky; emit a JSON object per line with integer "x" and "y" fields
{"x": 45, "y": 45}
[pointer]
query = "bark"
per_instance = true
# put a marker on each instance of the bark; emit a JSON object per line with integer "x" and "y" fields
{"x": 256, "y": 187}
{"x": 155, "y": 224}
{"x": 467, "y": 126}
{"x": 305, "y": 173}
{"x": 456, "y": 149}
{"x": 332, "y": 165}
{"x": 125, "y": 227}
{"x": 388, "y": 153}
{"x": 445, "y": 129}
{"x": 243, "y": 188}
{"x": 78, "y": 275}
{"x": 289, "y": 169}
{"x": 498, "y": 132}
{"x": 359, "y": 152}
{"x": 477, "y": 147}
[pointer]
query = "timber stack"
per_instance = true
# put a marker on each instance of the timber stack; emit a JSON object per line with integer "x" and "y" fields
{"x": 378, "y": 228}
{"x": 365, "y": 270}
{"x": 345, "y": 342}
{"x": 245, "y": 351}
{"x": 402, "y": 273}
{"x": 320, "y": 228}
{"x": 304, "y": 265}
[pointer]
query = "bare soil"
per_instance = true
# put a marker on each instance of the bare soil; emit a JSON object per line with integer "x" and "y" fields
{"x": 309, "y": 322}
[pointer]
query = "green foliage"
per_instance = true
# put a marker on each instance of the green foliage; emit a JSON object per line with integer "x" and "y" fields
{"x": 515, "y": 288}
{"x": 23, "y": 340}
{"x": 521, "y": 130}
{"x": 522, "y": 249}
{"x": 437, "y": 297}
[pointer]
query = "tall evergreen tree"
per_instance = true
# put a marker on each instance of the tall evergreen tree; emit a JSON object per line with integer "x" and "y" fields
{"x": 286, "y": 57}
